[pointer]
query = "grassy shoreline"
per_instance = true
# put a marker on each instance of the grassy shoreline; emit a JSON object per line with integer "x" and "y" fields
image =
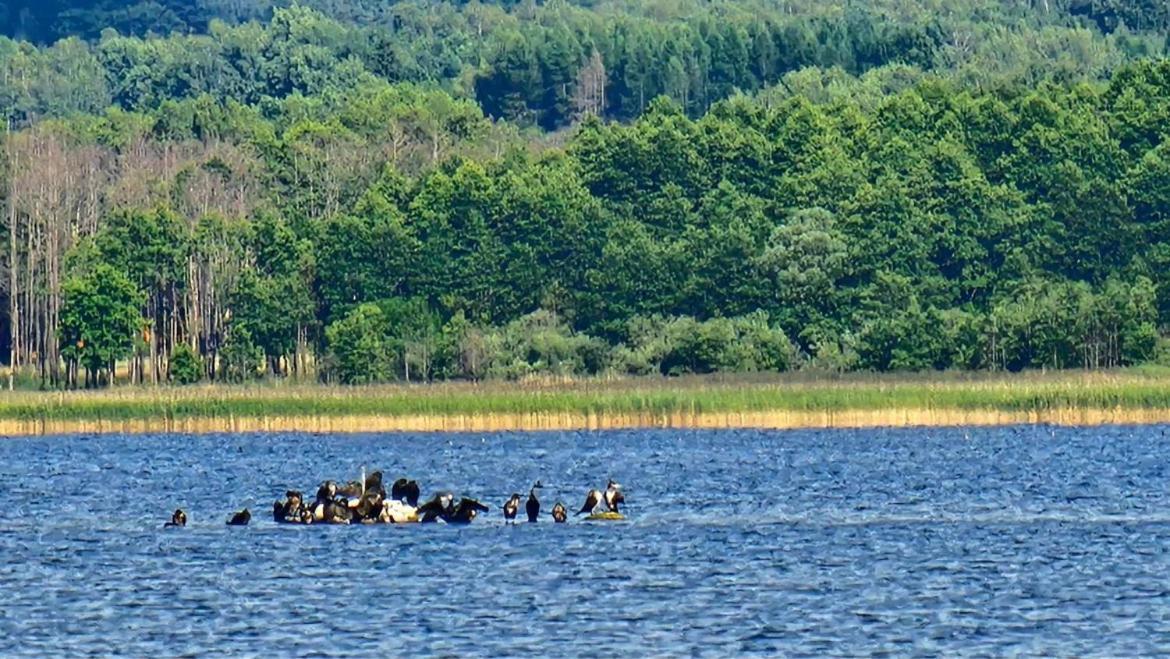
{"x": 794, "y": 401}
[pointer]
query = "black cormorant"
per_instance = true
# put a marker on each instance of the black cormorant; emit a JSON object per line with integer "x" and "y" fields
{"x": 178, "y": 519}
{"x": 532, "y": 506}
{"x": 511, "y": 507}
{"x": 405, "y": 490}
{"x": 592, "y": 500}
{"x": 613, "y": 496}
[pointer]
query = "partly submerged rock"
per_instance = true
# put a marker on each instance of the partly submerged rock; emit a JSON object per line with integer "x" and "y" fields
{"x": 605, "y": 517}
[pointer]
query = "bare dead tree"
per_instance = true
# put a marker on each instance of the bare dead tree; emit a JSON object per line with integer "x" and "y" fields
{"x": 589, "y": 94}
{"x": 52, "y": 204}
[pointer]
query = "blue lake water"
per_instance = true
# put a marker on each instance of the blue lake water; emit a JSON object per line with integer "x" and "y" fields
{"x": 1024, "y": 540}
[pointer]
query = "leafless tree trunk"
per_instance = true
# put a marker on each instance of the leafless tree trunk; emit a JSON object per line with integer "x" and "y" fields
{"x": 589, "y": 95}
{"x": 13, "y": 291}
{"x": 51, "y": 205}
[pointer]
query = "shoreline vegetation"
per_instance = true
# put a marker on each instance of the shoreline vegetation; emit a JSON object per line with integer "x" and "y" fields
{"x": 1134, "y": 396}
{"x": 497, "y": 190}
{"x": 614, "y": 192}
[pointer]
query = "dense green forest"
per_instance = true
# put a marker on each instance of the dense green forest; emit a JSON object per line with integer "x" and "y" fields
{"x": 365, "y": 191}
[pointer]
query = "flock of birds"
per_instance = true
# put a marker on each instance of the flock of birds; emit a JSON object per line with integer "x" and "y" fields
{"x": 367, "y": 502}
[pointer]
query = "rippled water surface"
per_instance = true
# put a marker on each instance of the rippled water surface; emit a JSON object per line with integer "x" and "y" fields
{"x": 924, "y": 541}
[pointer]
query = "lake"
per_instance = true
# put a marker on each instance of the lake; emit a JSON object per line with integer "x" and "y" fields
{"x": 1017, "y": 540}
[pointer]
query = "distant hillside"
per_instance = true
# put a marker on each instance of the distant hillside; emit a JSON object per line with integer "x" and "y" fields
{"x": 48, "y": 21}
{"x": 540, "y": 65}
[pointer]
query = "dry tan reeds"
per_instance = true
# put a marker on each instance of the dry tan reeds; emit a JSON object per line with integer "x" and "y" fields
{"x": 1071, "y": 398}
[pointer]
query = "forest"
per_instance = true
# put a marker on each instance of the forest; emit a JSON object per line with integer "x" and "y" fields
{"x": 357, "y": 192}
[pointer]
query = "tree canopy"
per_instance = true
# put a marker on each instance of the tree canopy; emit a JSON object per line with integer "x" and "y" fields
{"x": 538, "y": 64}
{"x": 429, "y": 190}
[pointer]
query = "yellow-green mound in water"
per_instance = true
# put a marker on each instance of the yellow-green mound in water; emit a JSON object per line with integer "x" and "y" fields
{"x": 604, "y": 517}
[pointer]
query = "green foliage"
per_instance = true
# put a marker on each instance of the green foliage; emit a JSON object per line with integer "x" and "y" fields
{"x": 150, "y": 246}
{"x": 824, "y": 186}
{"x": 272, "y": 303}
{"x": 1062, "y": 324}
{"x": 240, "y": 357}
{"x": 360, "y": 351}
{"x": 185, "y": 366}
{"x": 99, "y": 320}
{"x": 414, "y": 333}
{"x": 808, "y": 259}
{"x": 540, "y": 343}
{"x": 546, "y": 64}
{"x": 363, "y": 257}
{"x": 683, "y": 345}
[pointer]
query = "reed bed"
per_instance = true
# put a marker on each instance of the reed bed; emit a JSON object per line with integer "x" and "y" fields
{"x": 1135, "y": 396}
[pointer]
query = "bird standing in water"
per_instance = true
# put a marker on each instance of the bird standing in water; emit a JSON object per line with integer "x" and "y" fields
{"x": 405, "y": 490}
{"x": 592, "y": 500}
{"x": 439, "y": 506}
{"x": 291, "y": 509}
{"x": 178, "y": 519}
{"x": 241, "y": 518}
{"x": 511, "y": 507}
{"x": 559, "y": 513}
{"x": 532, "y": 506}
{"x": 613, "y": 496}
{"x": 465, "y": 511}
